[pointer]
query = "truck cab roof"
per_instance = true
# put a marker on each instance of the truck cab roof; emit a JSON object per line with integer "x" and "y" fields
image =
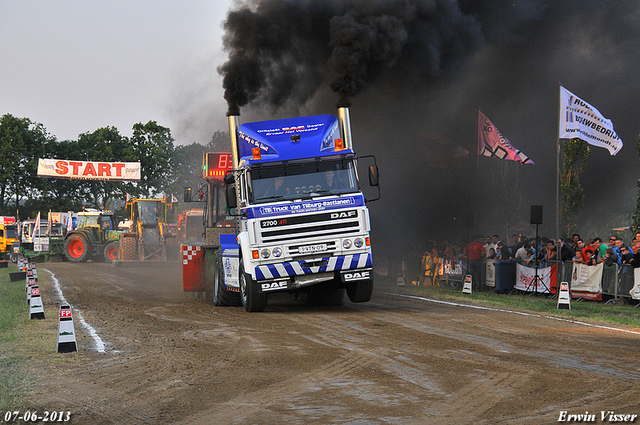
{"x": 289, "y": 139}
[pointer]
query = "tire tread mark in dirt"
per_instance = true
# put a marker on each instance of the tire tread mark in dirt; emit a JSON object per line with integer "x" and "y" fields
{"x": 253, "y": 401}
{"x": 482, "y": 394}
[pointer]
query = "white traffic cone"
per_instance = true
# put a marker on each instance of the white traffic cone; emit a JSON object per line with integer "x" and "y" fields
{"x": 564, "y": 300}
{"x": 34, "y": 270}
{"x": 36, "y": 309}
{"x": 66, "y": 331}
{"x": 468, "y": 284}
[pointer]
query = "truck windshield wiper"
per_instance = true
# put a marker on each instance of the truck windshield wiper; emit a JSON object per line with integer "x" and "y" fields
{"x": 271, "y": 197}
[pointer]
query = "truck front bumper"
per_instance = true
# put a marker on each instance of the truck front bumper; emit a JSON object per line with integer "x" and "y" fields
{"x": 316, "y": 266}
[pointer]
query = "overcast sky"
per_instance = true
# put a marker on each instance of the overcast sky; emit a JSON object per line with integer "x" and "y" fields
{"x": 76, "y": 66}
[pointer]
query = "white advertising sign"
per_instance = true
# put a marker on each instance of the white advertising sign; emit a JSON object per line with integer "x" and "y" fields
{"x": 88, "y": 170}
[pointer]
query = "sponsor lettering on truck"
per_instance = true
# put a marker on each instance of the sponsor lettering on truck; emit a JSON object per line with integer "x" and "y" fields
{"x": 301, "y": 220}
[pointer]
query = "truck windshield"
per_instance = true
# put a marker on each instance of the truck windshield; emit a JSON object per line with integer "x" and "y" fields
{"x": 303, "y": 180}
{"x": 12, "y": 232}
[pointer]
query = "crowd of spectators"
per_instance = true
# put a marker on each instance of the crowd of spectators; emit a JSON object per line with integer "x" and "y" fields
{"x": 528, "y": 251}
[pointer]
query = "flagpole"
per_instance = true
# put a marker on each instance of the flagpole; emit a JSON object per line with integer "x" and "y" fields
{"x": 558, "y": 167}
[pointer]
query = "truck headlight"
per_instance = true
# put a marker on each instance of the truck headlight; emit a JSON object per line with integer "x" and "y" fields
{"x": 346, "y": 244}
{"x": 277, "y": 252}
{"x": 359, "y": 243}
{"x": 265, "y": 253}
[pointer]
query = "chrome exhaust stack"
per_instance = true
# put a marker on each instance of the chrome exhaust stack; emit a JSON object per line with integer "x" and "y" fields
{"x": 344, "y": 121}
{"x": 234, "y": 123}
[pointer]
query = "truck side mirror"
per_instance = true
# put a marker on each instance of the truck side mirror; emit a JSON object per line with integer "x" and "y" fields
{"x": 373, "y": 175}
{"x": 230, "y": 193}
{"x": 187, "y": 194}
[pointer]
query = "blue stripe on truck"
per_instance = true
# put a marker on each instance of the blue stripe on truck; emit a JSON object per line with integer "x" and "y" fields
{"x": 299, "y": 268}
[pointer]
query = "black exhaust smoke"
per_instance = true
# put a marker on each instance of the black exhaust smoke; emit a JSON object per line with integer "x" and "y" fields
{"x": 284, "y": 52}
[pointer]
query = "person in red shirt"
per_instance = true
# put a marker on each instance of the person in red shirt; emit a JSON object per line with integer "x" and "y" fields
{"x": 474, "y": 252}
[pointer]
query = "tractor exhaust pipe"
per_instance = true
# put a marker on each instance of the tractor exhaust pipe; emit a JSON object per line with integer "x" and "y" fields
{"x": 234, "y": 123}
{"x": 345, "y": 126}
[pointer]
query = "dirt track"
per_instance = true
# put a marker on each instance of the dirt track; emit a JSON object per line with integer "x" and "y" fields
{"x": 171, "y": 358}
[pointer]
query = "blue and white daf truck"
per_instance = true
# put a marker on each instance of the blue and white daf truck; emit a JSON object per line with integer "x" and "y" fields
{"x": 302, "y": 224}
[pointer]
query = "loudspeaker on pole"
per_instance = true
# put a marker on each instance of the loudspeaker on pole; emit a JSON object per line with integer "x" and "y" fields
{"x": 66, "y": 331}
{"x": 536, "y": 214}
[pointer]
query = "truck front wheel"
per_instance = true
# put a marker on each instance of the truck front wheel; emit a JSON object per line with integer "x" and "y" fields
{"x": 76, "y": 249}
{"x": 222, "y": 297}
{"x": 252, "y": 299}
{"x": 360, "y": 292}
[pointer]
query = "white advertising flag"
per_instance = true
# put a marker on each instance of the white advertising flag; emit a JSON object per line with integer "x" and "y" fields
{"x": 580, "y": 120}
{"x": 36, "y": 227}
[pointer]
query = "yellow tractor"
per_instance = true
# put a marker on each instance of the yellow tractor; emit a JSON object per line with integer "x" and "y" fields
{"x": 143, "y": 238}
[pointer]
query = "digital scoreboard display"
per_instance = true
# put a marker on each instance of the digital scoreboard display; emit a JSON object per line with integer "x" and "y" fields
{"x": 216, "y": 164}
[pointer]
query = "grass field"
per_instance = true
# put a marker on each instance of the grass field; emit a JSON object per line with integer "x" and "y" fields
{"x": 22, "y": 340}
{"x": 621, "y": 313}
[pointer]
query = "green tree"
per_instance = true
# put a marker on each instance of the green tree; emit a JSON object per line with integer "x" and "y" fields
{"x": 508, "y": 194}
{"x": 62, "y": 194}
{"x": 21, "y": 144}
{"x": 575, "y": 153}
{"x": 104, "y": 144}
{"x": 187, "y": 170}
{"x": 153, "y": 148}
{"x": 220, "y": 142}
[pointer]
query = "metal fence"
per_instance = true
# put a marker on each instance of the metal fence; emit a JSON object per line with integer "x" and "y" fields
{"x": 617, "y": 280}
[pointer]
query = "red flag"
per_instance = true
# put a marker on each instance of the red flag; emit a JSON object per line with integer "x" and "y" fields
{"x": 492, "y": 143}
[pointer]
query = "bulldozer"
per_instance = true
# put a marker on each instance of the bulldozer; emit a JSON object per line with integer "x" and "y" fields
{"x": 143, "y": 238}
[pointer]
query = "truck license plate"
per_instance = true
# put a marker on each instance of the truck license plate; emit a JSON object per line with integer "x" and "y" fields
{"x": 313, "y": 248}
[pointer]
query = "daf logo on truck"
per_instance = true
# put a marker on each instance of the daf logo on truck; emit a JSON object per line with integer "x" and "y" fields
{"x": 344, "y": 214}
{"x": 363, "y": 275}
{"x": 274, "y": 285}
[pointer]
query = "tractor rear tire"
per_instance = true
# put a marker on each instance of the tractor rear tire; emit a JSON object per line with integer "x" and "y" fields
{"x": 128, "y": 248}
{"x": 110, "y": 251}
{"x": 77, "y": 249}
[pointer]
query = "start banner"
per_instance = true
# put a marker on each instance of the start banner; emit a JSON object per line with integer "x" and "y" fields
{"x": 88, "y": 170}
